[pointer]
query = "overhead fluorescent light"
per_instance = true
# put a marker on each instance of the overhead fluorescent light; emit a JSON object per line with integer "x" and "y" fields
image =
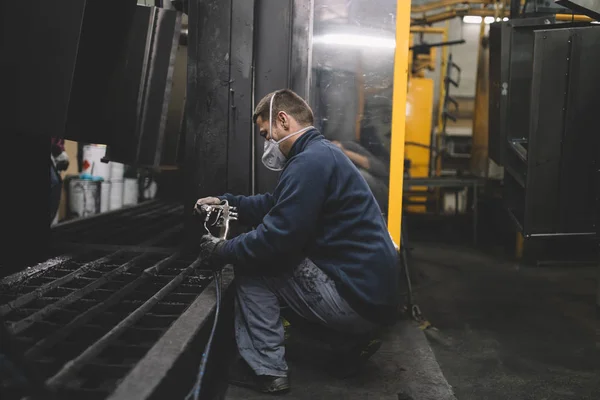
{"x": 356, "y": 40}
{"x": 476, "y": 19}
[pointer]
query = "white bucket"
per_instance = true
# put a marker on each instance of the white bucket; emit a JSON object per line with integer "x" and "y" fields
{"x": 130, "y": 192}
{"x": 117, "y": 170}
{"x": 116, "y": 195}
{"x": 104, "y": 196}
{"x": 84, "y": 197}
{"x": 92, "y": 154}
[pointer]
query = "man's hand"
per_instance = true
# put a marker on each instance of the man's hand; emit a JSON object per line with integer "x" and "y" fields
{"x": 210, "y": 252}
{"x": 209, "y": 201}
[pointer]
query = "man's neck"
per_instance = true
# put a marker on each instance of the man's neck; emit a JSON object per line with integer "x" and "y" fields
{"x": 287, "y": 145}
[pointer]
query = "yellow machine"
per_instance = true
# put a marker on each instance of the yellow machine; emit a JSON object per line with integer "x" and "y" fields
{"x": 417, "y": 148}
{"x": 420, "y": 136}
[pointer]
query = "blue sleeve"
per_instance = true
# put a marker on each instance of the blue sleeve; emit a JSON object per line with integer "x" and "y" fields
{"x": 251, "y": 209}
{"x": 288, "y": 226}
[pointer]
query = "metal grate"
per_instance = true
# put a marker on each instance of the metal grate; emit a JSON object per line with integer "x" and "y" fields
{"x": 89, "y": 316}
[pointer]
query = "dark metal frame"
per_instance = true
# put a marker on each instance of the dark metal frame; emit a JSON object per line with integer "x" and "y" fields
{"x": 141, "y": 110}
{"x": 218, "y": 139}
{"x": 548, "y": 186}
{"x": 500, "y": 45}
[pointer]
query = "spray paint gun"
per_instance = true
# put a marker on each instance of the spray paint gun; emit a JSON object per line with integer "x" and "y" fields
{"x": 218, "y": 215}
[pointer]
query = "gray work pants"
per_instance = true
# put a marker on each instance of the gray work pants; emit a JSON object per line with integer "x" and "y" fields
{"x": 309, "y": 292}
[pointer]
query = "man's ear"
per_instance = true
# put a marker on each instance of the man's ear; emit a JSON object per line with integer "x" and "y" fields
{"x": 284, "y": 120}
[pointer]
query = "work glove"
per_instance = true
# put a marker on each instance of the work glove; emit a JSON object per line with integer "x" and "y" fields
{"x": 211, "y": 252}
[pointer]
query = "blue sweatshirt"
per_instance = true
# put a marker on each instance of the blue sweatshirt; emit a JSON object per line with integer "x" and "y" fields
{"x": 322, "y": 209}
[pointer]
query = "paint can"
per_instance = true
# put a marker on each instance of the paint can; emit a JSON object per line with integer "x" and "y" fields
{"x": 84, "y": 197}
{"x": 116, "y": 195}
{"x": 92, "y": 164}
{"x": 130, "y": 192}
{"x": 104, "y": 196}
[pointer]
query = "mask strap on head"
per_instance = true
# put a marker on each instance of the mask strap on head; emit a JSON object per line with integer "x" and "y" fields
{"x": 271, "y": 116}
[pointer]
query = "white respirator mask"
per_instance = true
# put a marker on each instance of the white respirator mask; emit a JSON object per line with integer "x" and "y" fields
{"x": 272, "y": 157}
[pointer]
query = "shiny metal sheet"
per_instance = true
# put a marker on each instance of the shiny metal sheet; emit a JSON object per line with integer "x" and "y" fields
{"x": 351, "y": 81}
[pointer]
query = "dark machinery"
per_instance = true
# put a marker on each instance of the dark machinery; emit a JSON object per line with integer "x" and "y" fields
{"x": 543, "y": 127}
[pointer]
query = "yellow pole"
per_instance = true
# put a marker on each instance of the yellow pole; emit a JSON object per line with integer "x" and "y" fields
{"x": 442, "y": 88}
{"x": 519, "y": 246}
{"x": 399, "y": 119}
{"x": 574, "y": 18}
{"x": 428, "y": 30}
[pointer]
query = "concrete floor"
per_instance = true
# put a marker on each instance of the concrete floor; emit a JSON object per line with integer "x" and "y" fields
{"x": 501, "y": 331}
{"x": 508, "y": 331}
{"x": 403, "y": 369}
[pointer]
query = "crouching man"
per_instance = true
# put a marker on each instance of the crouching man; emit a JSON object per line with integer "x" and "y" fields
{"x": 320, "y": 247}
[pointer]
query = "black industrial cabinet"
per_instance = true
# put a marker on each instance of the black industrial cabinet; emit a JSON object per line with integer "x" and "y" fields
{"x": 500, "y": 42}
{"x": 549, "y": 160}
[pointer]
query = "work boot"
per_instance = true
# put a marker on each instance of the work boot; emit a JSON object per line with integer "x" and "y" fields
{"x": 241, "y": 375}
{"x": 350, "y": 362}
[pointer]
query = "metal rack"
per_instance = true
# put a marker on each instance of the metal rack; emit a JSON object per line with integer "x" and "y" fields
{"x": 88, "y": 316}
